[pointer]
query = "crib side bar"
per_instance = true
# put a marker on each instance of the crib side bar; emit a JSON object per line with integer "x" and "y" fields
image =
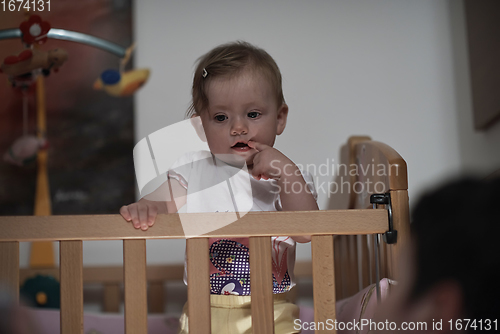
{"x": 134, "y": 272}
{"x": 9, "y": 268}
{"x": 198, "y": 286}
{"x": 71, "y": 277}
{"x": 322, "y": 248}
{"x": 261, "y": 285}
{"x": 110, "y": 274}
{"x": 168, "y": 226}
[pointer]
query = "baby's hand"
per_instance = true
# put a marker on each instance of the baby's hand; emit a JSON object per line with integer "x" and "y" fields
{"x": 142, "y": 214}
{"x": 271, "y": 163}
{"x": 268, "y": 163}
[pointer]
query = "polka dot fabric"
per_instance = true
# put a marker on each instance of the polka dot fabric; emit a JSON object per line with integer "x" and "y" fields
{"x": 232, "y": 261}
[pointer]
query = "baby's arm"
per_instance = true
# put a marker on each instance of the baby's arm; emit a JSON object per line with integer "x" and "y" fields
{"x": 143, "y": 213}
{"x": 294, "y": 197}
{"x": 295, "y": 194}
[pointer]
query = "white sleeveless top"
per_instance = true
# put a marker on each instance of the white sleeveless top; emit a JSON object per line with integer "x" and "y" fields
{"x": 214, "y": 186}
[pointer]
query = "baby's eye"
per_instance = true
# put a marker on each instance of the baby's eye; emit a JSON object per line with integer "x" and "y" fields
{"x": 220, "y": 118}
{"x": 253, "y": 114}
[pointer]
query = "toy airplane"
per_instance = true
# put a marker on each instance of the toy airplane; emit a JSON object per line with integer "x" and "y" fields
{"x": 30, "y": 60}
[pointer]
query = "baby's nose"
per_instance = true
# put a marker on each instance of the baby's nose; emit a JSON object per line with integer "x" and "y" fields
{"x": 239, "y": 127}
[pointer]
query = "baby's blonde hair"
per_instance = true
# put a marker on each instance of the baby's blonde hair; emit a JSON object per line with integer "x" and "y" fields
{"x": 228, "y": 60}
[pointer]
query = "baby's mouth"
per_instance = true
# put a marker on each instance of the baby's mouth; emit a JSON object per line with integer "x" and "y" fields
{"x": 241, "y": 147}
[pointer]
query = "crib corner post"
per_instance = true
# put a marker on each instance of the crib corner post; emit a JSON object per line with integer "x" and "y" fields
{"x": 401, "y": 223}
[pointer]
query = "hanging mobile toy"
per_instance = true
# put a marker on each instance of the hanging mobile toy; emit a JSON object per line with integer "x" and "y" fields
{"x": 30, "y": 63}
{"x": 122, "y": 83}
{"x": 25, "y": 148}
{"x": 24, "y": 67}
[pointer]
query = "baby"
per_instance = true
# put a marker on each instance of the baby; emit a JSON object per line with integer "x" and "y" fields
{"x": 237, "y": 94}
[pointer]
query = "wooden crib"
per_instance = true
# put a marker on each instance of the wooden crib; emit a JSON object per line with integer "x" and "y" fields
{"x": 341, "y": 259}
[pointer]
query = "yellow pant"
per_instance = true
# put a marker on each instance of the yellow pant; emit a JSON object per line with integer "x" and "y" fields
{"x": 231, "y": 314}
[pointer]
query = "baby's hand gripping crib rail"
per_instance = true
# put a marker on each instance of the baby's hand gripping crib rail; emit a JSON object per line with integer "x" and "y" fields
{"x": 259, "y": 226}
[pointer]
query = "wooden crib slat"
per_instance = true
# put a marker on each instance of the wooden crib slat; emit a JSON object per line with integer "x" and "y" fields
{"x": 261, "y": 285}
{"x": 352, "y": 255}
{"x": 341, "y": 242}
{"x": 389, "y": 261}
{"x": 383, "y": 259}
{"x": 71, "y": 269}
{"x": 365, "y": 260}
{"x": 348, "y": 279}
{"x": 112, "y": 297}
{"x": 156, "y": 297}
{"x": 323, "y": 279}
{"x": 401, "y": 222}
{"x": 338, "y": 266}
{"x": 371, "y": 258}
{"x": 9, "y": 268}
{"x": 134, "y": 267}
{"x": 198, "y": 286}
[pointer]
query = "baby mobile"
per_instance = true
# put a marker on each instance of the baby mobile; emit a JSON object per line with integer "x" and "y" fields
{"x": 26, "y": 66}
{"x": 25, "y": 71}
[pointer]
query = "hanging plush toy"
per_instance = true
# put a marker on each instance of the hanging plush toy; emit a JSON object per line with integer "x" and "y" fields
{"x": 24, "y": 150}
{"x": 122, "y": 83}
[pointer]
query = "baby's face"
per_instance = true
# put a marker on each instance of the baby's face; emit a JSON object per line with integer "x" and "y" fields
{"x": 242, "y": 108}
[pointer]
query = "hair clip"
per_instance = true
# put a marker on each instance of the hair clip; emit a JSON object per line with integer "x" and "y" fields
{"x": 204, "y": 73}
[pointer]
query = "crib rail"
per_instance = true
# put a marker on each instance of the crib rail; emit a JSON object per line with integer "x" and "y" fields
{"x": 113, "y": 227}
{"x": 72, "y": 230}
